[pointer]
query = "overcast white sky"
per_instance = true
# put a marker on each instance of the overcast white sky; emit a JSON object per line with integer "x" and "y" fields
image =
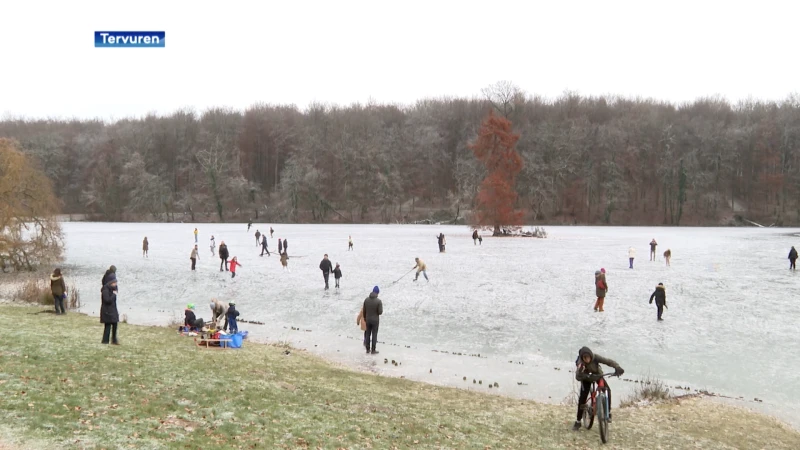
{"x": 235, "y": 53}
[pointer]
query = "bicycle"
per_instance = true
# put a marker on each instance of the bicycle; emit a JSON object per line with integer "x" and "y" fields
{"x": 598, "y": 401}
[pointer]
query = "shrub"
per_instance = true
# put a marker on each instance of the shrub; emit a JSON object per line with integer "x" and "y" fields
{"x": 34, "y": 291}
{"x": 648, "y": 388}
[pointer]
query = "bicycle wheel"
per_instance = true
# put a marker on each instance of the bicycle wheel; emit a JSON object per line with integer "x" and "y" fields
{"x": 602, "y": 417}
{"x": 588, "y": 416}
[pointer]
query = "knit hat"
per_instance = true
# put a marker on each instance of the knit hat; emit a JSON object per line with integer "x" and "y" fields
{"x": 113, "y": 268}
{"x": 190, "y": 306}
{"x": 112, "y": 277}
{"x": 232, "y": 302}
{"x": 375, "y": 290}
{"x": 603, "y": 270}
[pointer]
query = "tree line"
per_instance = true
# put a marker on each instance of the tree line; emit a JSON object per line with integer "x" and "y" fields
{"x": 584, "y": 160}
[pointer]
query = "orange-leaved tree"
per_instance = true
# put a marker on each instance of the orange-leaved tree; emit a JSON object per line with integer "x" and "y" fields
{"x": 497, "y": 194}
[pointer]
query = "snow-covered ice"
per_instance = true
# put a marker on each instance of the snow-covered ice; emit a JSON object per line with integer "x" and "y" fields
{"x": 523, "y": 304}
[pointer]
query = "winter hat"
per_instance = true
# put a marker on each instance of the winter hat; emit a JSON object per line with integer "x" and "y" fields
{"x": 113, "y": 268}
{"x": 375, "y": 290}
{"x": 232, "y": 302}
{"x": 337, "y": 264}
{"x": 190, "y": 306}
{"x": 111, "y": 278}
{"x": 603, "y": 270}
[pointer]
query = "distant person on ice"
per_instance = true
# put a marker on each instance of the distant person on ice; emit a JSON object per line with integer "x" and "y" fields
{"x": 195, "y": 235}
{"x": 653, "y": 245}
{"x": 442, "y": 242}
{"x": 660, "y": 294}
{"x": 601, "y": 289}
{"x": 286, "y": 246}
{"x": 249, "y": 224}
{"x": 264, "y": 245}
{"x": 667, "y": 256}
{"x": 223, "y": 256}
{"x": 326, "y": 267}
{"x": 280, "y": 247}
{"x": 258, "y": 238}
{"x": 421, "y": 267}
{"x": 234, "y": 263}
{"x": 337, "y": 273}
{"x": 587, "y": 369}
{"x": 194, "y": 256}
{"x": 145, "y": 246}
{"x": 350, "y": 243}
{"x": 631, "y": 256}
{"x": 475, "y": 237}
{"x": 213, "y": 245}
{"x": 792, "y": 258}
{"x": 372, "y": 311}
{"x": 270, "y": 232}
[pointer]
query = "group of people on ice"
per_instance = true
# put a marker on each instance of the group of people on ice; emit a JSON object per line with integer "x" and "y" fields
{"x": 653, "y": 245}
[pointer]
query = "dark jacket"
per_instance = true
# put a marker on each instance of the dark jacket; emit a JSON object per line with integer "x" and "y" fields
{"x": 660, "y": 294}
{"x": 189, "y": 318}
{"x": 223, "y": 251}
{"x": 601, "y": 286}
{"x": 584, "y": 371}
{"x": 264, "y": 241}
{"x": 285, "y": 245}
{"x": 108, "y": 310}
{"x": 475, "y": 234}
{"x": 325, "y": 266}
{"x": 792, "y": 253}
{"x": 440, "y": 238}
{"x": 57, "y": 286}
{"x": 337, "y": 273}
{"x": 232, "y": 313}
{"x": 373, "y": 308}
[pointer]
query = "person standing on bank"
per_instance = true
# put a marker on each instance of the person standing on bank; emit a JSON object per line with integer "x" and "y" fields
{"x": 653, "y": 245}
{"x": 631, "y": 256}
{"x": 109, "y": 316}
{"x": 223, "y": 256}
{"x": 258, "y": 238}
{"x": 792, "y": 258}
{"x": 59, "y": 290}
{"x": 111, "y": 271}
{"x": 372, "y": 311}
{"x": 194, "y": 256}
{"x": 145, "y": 247}
{"x": 326, "y": 267}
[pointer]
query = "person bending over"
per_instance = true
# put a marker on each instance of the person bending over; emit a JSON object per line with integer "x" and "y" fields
{"x": 588, "y": 370}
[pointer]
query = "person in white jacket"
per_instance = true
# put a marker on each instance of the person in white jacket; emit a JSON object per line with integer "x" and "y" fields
{"x": 631, "y": 255}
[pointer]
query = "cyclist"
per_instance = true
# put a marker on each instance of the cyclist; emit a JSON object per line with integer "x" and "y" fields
{"x": 587, "y": 367}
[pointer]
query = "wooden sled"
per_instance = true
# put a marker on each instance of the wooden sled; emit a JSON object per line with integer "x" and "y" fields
{"x": 205, "y": 343}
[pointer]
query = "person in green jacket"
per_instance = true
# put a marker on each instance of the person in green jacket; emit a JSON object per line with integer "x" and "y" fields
{"x": 587, "y": 369}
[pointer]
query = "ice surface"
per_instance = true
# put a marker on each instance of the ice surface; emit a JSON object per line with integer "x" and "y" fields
{"x": 731, "y": 326}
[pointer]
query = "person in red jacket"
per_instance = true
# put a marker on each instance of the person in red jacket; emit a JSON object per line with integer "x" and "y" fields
{"x": 234, "y": 263}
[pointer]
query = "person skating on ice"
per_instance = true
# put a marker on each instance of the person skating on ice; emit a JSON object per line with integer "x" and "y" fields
{"x": 660, "y": 295}
{"x": 421, "y": 267}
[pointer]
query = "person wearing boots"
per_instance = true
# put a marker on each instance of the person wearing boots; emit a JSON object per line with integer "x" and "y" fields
{"x": 373, "y": 309}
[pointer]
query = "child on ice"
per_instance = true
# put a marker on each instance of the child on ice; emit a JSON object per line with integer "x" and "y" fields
{"x": 337, "y": 273}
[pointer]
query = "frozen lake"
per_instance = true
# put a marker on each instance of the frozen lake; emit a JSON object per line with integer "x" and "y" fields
{"x": 731, "y": 326}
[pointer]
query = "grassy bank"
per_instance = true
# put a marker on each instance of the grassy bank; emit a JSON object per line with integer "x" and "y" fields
{"x": 61, "y": 388}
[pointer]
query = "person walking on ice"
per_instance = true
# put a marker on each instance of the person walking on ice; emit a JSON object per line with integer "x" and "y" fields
{"x": 249, "y": 224}
{"x": 667, "y": 256}
{"x": 194, "y": 256}
{"x": 350, "y": 244}
{"x": 286, "y": 246}
{"x": 213, "y": 245}
{"x": 475, "y": 237}
{"x": 258, "y": 238}
{"x": 280, "y": 247}
{"x": 421, "y": 267}
{"x": 234, "y": 263}
{"x": 653, "y": 245}
{"x": 264, "y": 245}
{"x": 337, "y": 273}
{"x": 195, "y": 235}
{"x": 223, "y": 256}
{"x": 326, "y": 267}
{"x": 145, "y": 247}
{"x": 631, "y": 255}
{"x": 270, "y": 232}
{"x": 660, "y": 294}
{"x": 792, "y": 259}
{"x": 285, "y": 261}
{"x": 601, "y": 289}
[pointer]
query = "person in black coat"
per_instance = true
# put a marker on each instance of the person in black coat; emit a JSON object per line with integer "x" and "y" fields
{"x": 660, "y": 295}
{"x": 286, "y": 247}
{"x": 111, "y": 271}
{"x": 337, "y": 273}
{"x": 264, "y": 245}
{"x": 223, "y": 256}
{"x": 792, "y": 258}
{"x": 109, "y": 316}
{"x": 326, "y": 267}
